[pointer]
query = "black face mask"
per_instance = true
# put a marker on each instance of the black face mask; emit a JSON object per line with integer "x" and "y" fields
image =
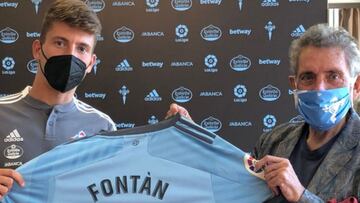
{"x": 64, "y": 72}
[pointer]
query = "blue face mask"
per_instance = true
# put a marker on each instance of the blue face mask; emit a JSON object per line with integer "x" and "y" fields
{"x": 323, "y": 109}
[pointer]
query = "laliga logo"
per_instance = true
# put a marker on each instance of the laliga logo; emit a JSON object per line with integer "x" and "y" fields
{"x": 269, "y": 93}
{"x": 181, "y": 95}
{"x": 211, "y": 33}
{"x": 96, "y": 5}
{"x": 152, "y": 3}
{"x": 212, "y": 124}
{"x": 240, "y": 63}
{"x": 33, "y": 66}
{"x": 8, "y": 35}
{"x": 181, "y": 5}
{"x": 123, "y": 35}
{"x": 210, "y": 61}
{"x": 8, "y": 63}
{"x": 269, "y": 121}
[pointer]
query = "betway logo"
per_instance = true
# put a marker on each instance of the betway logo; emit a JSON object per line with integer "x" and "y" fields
{"x": 218, "y": 2}
{"x": 269, "y": 61}
{"x": 95, "y": 95}
{"x": 240, "y": 32}
{"x": 9, "y": 5}
{"x": 125, "y": 125}
{"x": 152, "y": 64}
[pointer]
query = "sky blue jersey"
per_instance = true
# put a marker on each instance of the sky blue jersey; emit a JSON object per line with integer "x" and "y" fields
{"x": 173, "y": 161}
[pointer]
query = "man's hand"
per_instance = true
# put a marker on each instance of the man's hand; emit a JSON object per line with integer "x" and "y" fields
{"x": 7, "y": 177}
{"x": 174, "y": 109}
{"x": 279, "y": 174}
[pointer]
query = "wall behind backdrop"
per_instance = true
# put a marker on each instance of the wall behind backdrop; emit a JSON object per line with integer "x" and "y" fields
{"x": 225, "y": 61}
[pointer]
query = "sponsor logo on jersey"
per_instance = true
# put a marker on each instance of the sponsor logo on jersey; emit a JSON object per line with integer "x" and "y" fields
{"x": 181, "y": 95}
{"x": 181, "y": 5}
{"x": 96, "y": 5}
{"x": 125, "y": 125}
{"x": 270, "y": 27}
{"x": 214, "y": 2}
{"x": 212, "y": 124}
{"x": 125, "y": 184}
{"x": 9, "y": 4}
{"x": 36, "y": 4}
{"x": 14, "y": 136}
{"x": 269, "y": 93}
{"x": 123, "y": 3}
{"x": 211, "y": 33}
{"x": 300, "y": 30}
{"x": 13, "y": 152}
{"x": 152, "y": 6}
{"x": 32, "y": 34}
{"x": 8, "y": 35}
{"x": 269, "y": 3}
{"x": 240, "y": 93}
{"x": 80, "y": 134}
{"x": 153, "y": 96}
{"x": 240, "y": 63}
{"x": 123, "y": 35}
{"x": 152, "y": 120}
{"x": 8, "y": 63}
{"x": 33, "y": 66}
{"x": 12, "y": 164}
{"x": 249, "y": 163}
{"x": 124, "y": 66}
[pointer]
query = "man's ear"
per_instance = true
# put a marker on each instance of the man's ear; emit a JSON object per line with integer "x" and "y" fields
{"x": 356, "y": 89}
{"x": 292, "y": 81}
{"x": 92, "y": 63}
{"x": 36, "y": 49}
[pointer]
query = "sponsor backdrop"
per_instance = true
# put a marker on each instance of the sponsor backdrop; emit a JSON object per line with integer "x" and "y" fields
{"x": 225, "y": 61}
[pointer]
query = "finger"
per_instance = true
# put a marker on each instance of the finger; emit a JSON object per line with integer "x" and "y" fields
{"x": 173, "y": 109}
{"x": 6, "y": 174}
{"x": 3, "y": 190}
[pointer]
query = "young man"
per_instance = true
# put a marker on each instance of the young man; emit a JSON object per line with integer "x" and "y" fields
{"x": 319, "y": 159}
{"x": 47, "y": 114}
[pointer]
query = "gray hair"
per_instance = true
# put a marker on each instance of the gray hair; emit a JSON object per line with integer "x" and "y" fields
{"x": 321, "y": 35}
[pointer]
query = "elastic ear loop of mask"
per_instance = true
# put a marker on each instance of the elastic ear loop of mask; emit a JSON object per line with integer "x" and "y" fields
{"x": 42, "y": 51}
